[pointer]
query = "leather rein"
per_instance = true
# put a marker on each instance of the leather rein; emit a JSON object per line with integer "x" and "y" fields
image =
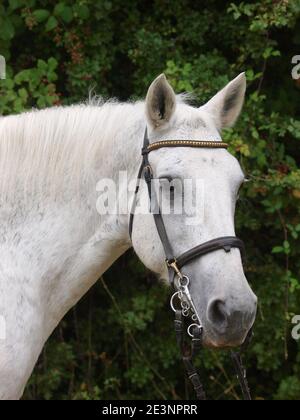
{"x": 185, "y": 307}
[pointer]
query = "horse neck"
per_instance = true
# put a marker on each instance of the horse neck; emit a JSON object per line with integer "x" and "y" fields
{"x": 121, "y": 165}
{"x": 53, "y": 250}
{"x": 62, "y": 245}
{"x": 108, "y": 234}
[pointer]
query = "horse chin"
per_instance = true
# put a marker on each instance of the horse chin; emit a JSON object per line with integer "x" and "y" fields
{"x": 220, "y": 342}
{"x": 218, "y": 346}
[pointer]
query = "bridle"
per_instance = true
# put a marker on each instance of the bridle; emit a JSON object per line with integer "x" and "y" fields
{"x": 178, "y": 280}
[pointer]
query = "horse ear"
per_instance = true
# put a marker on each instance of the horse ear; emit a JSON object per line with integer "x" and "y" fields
{"x": 160, "y": 102}
{"x": 226, "y": 105}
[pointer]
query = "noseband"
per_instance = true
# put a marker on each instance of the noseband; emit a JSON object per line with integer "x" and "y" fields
{"x": 175, "y": 264}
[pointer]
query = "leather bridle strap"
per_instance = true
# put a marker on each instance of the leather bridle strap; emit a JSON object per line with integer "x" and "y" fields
{"x": 225, "y": 243}
{"x": 146, "y": 171}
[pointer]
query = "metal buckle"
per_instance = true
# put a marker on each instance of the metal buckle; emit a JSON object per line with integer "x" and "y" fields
{"x": 149, "y": 169}
{"x": 173, "y": 265}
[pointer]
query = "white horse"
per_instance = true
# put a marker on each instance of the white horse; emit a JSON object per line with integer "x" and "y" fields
{"x": 54, "y": 245}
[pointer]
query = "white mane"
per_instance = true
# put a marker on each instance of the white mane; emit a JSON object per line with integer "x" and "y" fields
{"x": 43, "y": 149}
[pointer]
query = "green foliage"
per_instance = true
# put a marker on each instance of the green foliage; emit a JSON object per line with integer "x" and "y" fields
{"x": 30, "y": 87}
{"x": 118, "y": 342}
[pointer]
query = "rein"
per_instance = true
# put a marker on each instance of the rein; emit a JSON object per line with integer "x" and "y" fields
{"x": 179, "y": 281}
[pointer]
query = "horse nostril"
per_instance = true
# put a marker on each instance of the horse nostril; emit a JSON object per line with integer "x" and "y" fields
{"x": 217, "y": 314}
{"x": 231, "y": 317}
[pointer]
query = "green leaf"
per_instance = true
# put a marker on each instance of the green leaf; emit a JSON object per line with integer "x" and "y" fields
{"x": 294, "y": 235}
{"x": 277, "y": 250}
{"x": 64, "y": 12}
{"x": 41, "y": 15}
{"x": 15, "y": 4}
{"x": 23, "y": 94}
{"x": 7, "y": 30}
{"x": 51, "y": 23}
{"x": 52, "y": 64}
{"x": 58, "y": 9}
{"x": 82, "y": 11}
{"x": 41, "y": 64}
{"x": 67, "y": 14}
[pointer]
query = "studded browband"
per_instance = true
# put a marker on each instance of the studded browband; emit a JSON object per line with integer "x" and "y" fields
{"x": 186, "y": 143}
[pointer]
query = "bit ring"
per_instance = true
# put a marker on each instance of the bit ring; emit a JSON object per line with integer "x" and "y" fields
{"x": 189, "y": 329}
{"x": 176, "y": 294}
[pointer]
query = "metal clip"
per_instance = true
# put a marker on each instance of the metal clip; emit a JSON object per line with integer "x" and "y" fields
{"x": 148, "y": 173}
{"x": 173, "y": 265}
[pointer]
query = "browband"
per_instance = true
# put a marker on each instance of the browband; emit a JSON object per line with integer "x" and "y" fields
{"x": 185, "y": 143}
